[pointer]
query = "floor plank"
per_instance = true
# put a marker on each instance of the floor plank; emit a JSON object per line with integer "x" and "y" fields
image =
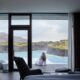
{"x": 9, "y": 76}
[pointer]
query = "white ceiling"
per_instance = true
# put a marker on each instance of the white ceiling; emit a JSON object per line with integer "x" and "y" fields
{"x": 53, "y": 6}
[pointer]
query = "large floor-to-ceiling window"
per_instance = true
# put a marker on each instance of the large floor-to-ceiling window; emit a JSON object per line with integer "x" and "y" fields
{"x": 50, "y": 35}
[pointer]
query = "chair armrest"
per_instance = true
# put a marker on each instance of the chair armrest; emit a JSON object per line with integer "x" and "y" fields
{"x": 35, "y": 72}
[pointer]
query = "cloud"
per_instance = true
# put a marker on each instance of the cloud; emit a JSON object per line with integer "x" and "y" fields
{"x": 50, "y": 30}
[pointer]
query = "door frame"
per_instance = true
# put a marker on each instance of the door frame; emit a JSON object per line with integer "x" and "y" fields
{"x": 10, "y": 38}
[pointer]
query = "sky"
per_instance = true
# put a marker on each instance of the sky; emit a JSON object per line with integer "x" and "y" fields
{"x": 50, "y": 30}
{"x": 42, "y": 30}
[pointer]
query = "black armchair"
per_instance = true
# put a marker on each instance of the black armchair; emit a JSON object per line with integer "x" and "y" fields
{"x": 24, "y": 69}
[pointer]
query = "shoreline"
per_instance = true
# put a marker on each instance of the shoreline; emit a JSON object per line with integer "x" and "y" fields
{"x": 50, "y": 51}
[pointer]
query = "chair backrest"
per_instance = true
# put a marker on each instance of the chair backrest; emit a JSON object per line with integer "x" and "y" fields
{"x": 22, "y": 67}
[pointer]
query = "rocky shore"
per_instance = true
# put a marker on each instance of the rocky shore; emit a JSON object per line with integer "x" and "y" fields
{"x": 58, "y": 52}
{"x": 50, "y": 50}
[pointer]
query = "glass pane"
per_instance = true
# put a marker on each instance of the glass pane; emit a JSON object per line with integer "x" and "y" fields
{"x": 20, "y": 20}
{"x": 3, "y": 42}
{"x": 50, "y": 37}
{"x": 20, "y": 44}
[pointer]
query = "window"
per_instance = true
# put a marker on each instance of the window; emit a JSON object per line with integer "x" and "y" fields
{"x": 4, "y": 40}
{"x": 50, "y": 35}
{"x": 20, "y": 44}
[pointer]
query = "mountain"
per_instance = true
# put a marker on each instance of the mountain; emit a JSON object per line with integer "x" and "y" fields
{"x": 4, "y": 38}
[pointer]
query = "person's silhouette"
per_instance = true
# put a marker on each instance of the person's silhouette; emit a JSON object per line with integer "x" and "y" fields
{"x": 42, "y": 60}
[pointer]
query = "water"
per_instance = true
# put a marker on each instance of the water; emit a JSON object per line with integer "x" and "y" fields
{"x": 51, "y": 59}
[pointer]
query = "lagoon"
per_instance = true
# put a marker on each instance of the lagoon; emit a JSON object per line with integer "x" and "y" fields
{"x": 51, "y": 59}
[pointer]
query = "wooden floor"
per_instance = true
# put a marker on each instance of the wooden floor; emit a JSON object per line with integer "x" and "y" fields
{"x": 9, "y": 76}
{"x": 15, "y": 75}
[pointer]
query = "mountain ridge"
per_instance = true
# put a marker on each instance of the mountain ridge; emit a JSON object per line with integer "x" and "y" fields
{"x": 4, "y": 38}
